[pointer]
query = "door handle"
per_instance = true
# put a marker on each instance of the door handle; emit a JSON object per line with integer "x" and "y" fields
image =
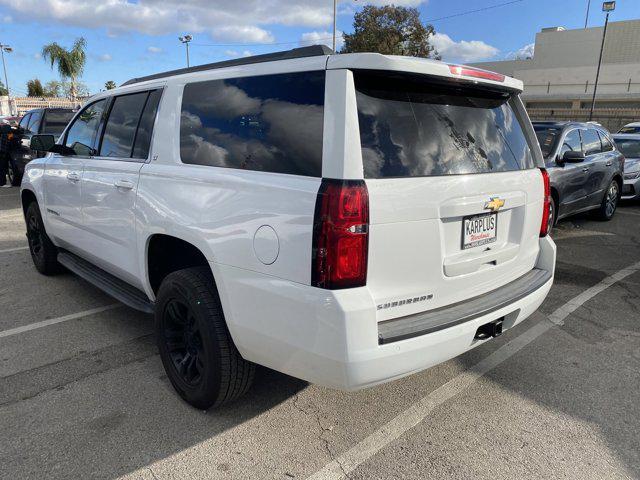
{"x": 609, "y": 163}
{"x": 73, "y": 177}
{"x": 123, "y": 184}
{"x": 585, "y": 169}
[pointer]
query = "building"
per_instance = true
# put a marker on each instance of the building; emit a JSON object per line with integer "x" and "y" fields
{"x": 559, "y": 79}
{"x": 19, "y": 105}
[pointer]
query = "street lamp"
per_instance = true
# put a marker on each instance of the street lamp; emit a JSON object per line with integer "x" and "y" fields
{"x": 8, "y": 49}
{"x": 606, "y": 7}
{"x": 186, "y": 39}
{"x": 335, "y": 8}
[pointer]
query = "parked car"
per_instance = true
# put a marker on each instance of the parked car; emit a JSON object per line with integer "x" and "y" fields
{"x": 10, "y": 119}
{"x": 345, "y": 219}
{"x": 629, "y": 146}
{"x": 39, "y": 121}
{"x": 630, "y": 128}
{"x": 585, "y": 169}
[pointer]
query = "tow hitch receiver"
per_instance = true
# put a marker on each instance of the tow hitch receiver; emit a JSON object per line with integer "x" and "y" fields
{"x": 488, "y": 330}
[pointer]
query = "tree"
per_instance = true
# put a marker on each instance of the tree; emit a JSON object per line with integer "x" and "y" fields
{"x": 110, "y": 85}
{"x": 70, "y": 62}
{"x": 3, "y": 90}
{"x": 53, "y": 89}
{"x": 34, "y": 88}
{"x": 390, "y": 30}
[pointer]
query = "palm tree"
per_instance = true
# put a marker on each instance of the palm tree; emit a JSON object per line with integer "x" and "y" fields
{"x": 70, "y": 62}
{"x": 110, "y": 85}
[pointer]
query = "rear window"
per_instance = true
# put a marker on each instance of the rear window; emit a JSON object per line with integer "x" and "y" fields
{"x": 412, "y": 127}
{"x": 56, "y": 121}
{"x": 269, "y": 123}
{"x": 629, "y": 147}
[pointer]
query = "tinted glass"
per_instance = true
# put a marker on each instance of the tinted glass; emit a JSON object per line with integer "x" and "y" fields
{"x": 591, "y": 142}
{"x": 82, "y": 133}
{"x": 143, "y": 136}
{"x": 34, "y": 122}
{"x": 120, "y": 130}
{"x": 571, "y": 142}
{"x": 547, "y": 138}
{"x": 630, "y": 148}
{"x": 55, "y": 121}
{"x": 629, "y": 130}
{"x": 271, "y": 123}
{"x": 605, "y": 142}
{"x": 413, "y": 127}
{"x": 24, "y": 121}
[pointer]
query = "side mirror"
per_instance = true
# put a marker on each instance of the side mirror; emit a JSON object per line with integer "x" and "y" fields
{"x": 572, "y": 157}
{"x": 43, "y": 143}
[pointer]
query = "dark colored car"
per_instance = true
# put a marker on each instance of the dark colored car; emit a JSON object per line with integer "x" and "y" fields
{"x": 50, "y": 121}
{"x": 585, "y": 168}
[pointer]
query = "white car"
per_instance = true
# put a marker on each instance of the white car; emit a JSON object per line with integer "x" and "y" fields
{"x": 630, "y": 128}
{"x": 344, "y": 219}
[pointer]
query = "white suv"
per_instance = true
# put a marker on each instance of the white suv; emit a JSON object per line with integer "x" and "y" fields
{"x": 345, "y": 219}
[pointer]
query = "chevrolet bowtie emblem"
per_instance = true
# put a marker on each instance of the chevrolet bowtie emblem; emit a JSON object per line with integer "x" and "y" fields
{"x": 494, "y": 204}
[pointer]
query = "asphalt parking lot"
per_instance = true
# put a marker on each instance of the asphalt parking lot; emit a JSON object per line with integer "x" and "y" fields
{"x": 83, "y": 393}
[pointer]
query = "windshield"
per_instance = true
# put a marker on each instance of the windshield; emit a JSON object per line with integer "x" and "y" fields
{"x": 547, "y": 138}
{"x": 56, "y": 120}
{"x": 630, "y": 147}
{"x": 630, "y": 130}
{"x": 412, "y": 126}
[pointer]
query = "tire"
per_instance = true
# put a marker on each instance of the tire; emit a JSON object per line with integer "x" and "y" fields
{"x": 609, "y": 202}
{"x": 43, "y": 252}
{"x": 196, "y": 349}
{"x": 553, "y": 217}
{"x": 15, "y": 178}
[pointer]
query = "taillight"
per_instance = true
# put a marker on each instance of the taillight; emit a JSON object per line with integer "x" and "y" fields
{"x": 475, "y": 72}
{"x": 546, "y": 204}
{"x": 340, "y": 235}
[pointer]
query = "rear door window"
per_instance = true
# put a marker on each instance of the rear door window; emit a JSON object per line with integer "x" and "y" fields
{"x": 605, "y": 142}
{"x": 269, "y": 123}
{"x": 120, "y": 130}
{"x": 24, "y": 121}
{"x": 55, "y": 121}
{"x": 411, "y": 126}
{"x": 34, "y": 122}
{"x": 591, "y": 142}
{"x": 145, "y": 128}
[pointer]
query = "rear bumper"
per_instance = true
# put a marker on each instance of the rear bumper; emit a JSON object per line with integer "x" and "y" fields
{"x": 332, "y": 337}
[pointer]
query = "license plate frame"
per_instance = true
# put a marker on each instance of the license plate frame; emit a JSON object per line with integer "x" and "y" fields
{"x": 481, "y": 241}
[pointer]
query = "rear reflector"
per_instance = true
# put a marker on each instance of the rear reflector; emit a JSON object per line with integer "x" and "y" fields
{"x": 546, "y": 204}
{"x": 475, "y": 72}
{"x": 340, "y": 235}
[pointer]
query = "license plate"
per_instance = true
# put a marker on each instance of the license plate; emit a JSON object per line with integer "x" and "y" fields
{"x": 479, "y": 230}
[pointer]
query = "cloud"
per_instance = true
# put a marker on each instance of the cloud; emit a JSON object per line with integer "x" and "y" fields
{"x": 522, "y": 53}
{"x": 105, "y": 57}
{"x": 322, "y": 38}
{"x": 154, "y": 50}
{"x": 464, "y": 51}
{"x": 247, "y": 53}
{"x": 245, "y": 21}
{"x": 37, "y": 56}
{"x": 7, "y": 19}
{"x": 231, "y": 53}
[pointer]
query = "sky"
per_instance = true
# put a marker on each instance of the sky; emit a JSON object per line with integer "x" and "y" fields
{"x": 132, "y": 38}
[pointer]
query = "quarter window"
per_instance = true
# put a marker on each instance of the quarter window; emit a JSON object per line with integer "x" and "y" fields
{"x": 270, "y": 123}
{"x": 24, "y": 121}
{"x": 571, "y": 143}
{"x": 82, "y": 134}
{"x": 591, "y": 142}
{"x": 606, "y": 143}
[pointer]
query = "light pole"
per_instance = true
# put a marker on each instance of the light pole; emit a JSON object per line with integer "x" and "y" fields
{"x": 586, "y": 19}
{"x": 186, "y": 39}
{"x": 606, "y": 7}
{"x": 8, "y": 49}
{"x": 335, "y": 9}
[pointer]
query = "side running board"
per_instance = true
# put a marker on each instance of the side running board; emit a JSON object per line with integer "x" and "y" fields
{"x": 118, "y": 289}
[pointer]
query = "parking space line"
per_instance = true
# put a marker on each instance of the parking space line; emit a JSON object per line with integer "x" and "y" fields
{"x": 53, "y": 321}
{"x": 346, "y": 463}
{"x": 15, "y": 249}
{"x": 626, "y": 212}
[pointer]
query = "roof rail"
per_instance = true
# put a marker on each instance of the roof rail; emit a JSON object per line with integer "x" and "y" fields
{"x": 302, "y": 52}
